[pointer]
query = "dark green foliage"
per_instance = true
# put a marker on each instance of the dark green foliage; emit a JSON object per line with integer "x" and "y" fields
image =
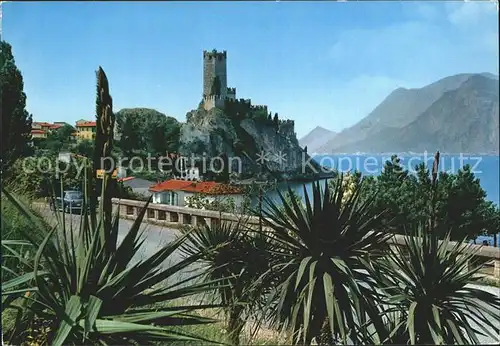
{"x": 460, "y": 205}
{"x": 13, "y": 224}
{"x": 31, "y": 181}
{"x": 323, "y": 246}
{"x": 62, "y": 134}
{"x": 145, "y": 131}
{"x": 105, "y": 124}
{"x": 84, "y": 147}
{"x": 16, "y": 121}
{"x": 426, "y": 285}
{"x": 260, "y": 115}
{"x": 57, "y": 140}
{"x": 223, "y": 176}
{"x": 276, "y": 120}
{"x": 237, "y": 109}
{"x": 88, "y": 289}
{"x": 85, "y": 286}
{"x": 234, "y": 259}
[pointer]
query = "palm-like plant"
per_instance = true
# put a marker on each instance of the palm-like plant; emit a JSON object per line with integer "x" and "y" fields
{"x": 427, "y": 281}
{"x": 87, "y": 297}
{"x": 234, "y": 259}
{"x": 86, "y": 287}
{"x": 323, "y": 248}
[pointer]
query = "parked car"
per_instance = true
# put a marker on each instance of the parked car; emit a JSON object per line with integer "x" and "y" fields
{"x": 71, "y": 200}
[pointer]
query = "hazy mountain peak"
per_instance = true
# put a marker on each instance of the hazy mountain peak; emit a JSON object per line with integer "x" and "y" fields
{"x": 316, "y": 138}
{"x": 468, "y": 102}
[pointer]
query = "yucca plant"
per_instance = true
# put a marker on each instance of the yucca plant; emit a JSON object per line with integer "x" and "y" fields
{"x": 427, "y": 281}
{"x": 323, "y": 249}
{"x": 84, "y": 287}
{"x": 85, "y": 297}
{"x": 234, "y": 259}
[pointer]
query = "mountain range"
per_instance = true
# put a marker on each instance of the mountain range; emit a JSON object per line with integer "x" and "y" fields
{"x": 456, "y": 114}
{"x": 316, "y": 138}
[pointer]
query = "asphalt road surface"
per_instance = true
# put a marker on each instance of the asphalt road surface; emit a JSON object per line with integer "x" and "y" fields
{"x": 155, "y": 236}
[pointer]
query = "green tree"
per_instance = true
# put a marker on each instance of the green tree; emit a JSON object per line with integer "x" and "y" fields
{"x": 461, "y": 205}
{"x": 396, "y": 194}
{"x": 84, "y": 147}
{"x": 276, "y": 121}
{"x": 144, "y": 130}
{"x": 129, "y": 139}
{"x": 460, "y": 202}
{"x": 42, "y": 176}
{"x": 63, "y": 134}
{"x": 16, "y": 121}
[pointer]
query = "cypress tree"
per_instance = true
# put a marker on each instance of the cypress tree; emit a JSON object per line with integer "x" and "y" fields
{"x": 16, "y": 121}
{"x": 276, "y": 121}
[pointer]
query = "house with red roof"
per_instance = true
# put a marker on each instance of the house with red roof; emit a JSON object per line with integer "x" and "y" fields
{"x": 85, "y": 129}
{"x": 42, "y": 129}
{"x": 177, "y": 192}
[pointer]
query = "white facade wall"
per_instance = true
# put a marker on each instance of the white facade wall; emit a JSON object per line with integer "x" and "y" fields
{"x": 169, "y": 197}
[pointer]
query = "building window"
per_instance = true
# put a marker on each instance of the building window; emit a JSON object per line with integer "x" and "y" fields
{"x": 175, "y": 199}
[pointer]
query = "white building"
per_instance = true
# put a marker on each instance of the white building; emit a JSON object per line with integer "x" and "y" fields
{"x": 177, "y": 192}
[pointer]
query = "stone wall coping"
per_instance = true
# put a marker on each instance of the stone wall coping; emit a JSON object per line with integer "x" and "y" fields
{"x": 397, "y": 239}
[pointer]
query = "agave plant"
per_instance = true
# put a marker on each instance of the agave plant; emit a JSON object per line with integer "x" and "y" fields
{"x": 428, "y": 282}
{"x": 234, "y": 259}
{"x": 84, "y": 286}
{"x": 87, "y": 297}
{"x": 323, "y": 249}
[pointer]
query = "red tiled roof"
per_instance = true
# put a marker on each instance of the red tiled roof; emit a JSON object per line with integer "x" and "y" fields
{"x": 207, "y": 187}
{"x": 55, "y": 126}
{"x": 37, "y": 131}
{"x": 87, "y": 124}
{"x": 42, "y": 123}
{"x": 126, "y": 179}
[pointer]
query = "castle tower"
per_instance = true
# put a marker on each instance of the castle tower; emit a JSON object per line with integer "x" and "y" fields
{"x": 214, "y": 65}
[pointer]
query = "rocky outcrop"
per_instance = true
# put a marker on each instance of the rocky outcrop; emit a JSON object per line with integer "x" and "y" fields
{"x": 255, "y": 147}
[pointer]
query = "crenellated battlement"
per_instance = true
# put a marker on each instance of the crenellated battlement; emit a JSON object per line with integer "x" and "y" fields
{"x": 286, "y": 122}
{"x": 244, "y": 102}
{"x": 214, "y": 54}
{"x": 259, "y": 108}
{"x": 216, "y": 94}
{"x": 213, "y": 101}
{"x": 286, "y": 128}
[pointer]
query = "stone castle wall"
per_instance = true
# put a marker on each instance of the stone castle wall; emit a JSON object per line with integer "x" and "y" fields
{"x": 214, "y": 64}
{"x": 213, "y": 101}
{"x": 287, "y": 128}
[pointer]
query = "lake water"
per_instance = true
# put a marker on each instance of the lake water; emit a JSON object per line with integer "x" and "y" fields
{"x": 484, "y": 167}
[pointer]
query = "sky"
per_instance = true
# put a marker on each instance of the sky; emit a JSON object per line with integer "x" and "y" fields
{"x": 319, "y": 63}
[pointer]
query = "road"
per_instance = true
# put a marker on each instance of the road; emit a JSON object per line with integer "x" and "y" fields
{"x": 155, "y": 236}
{"x": 158, "y": 236}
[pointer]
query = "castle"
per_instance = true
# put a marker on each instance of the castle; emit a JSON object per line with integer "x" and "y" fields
{"x": 216, "y": 93}
{"x": 215, "y": 90}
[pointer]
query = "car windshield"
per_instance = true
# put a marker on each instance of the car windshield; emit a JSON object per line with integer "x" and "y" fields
{"x": 74, "y": 195}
